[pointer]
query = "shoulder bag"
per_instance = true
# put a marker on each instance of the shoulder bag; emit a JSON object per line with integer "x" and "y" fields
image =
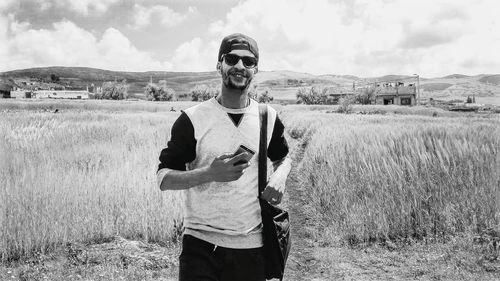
{"x": 275, "y": 220}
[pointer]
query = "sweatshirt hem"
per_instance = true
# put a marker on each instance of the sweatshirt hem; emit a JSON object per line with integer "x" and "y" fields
{"x": 244, "y": 241}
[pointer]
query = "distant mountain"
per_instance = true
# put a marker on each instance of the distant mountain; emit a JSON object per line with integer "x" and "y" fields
{"x": 181, "y": 82}
{"x": 392, "y": 77}
{"x": 95, "y": 74}
{"x": 283, "y": 84}
{"x": 435, "y": 86}
{"x": 81, "y": 77}
{"x": 8, "y": 82}
{"x": 352, "y": 77}
{"x": 456, "y": 76}
{"x": 491, "y": 79}
{"x": 331, "y": 76}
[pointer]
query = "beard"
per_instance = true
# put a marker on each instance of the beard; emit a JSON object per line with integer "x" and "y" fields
{"x": 229, "y": 83}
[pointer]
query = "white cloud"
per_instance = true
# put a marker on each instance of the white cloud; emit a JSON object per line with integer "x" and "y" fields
{"x": 164, "y": 15}
{"x": 369, "y": 37}
{"x": 196, "y": 55}
{"x": 66, "y": 44}
{"x": 3, "y": 38}
{"x": 6, "y": 4}
{"x": 44, "y": 4}
{"x": 360, "y": 37}
{"x": 81, "y": 7}
{"x": 15, "y": 26}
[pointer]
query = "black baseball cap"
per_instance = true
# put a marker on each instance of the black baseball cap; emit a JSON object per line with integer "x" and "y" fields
{"x": 238, "y": 41}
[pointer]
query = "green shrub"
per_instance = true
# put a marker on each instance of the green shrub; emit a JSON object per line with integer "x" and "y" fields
{"x": 113, "y": 90}
{"x": 203, "y": 92}
{"x": 159, "y": 92}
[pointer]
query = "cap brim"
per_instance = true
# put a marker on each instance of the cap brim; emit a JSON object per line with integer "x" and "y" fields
{"x": 242, "y": 53}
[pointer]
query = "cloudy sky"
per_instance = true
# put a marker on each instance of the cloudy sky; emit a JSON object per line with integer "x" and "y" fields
{"x": 358, "y": 37}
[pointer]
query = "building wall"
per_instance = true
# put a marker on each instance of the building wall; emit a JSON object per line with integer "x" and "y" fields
{"x": 396, "y": 99}
{"x": 407, "y": 90}
{"x": 61, "y": 94}
{"x": 54, "y": 94}
{"x": 396, "y": 93}
{"x": 18, "y": 94}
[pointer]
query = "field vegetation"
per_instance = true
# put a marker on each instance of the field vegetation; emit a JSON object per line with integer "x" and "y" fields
{"x": 383, "y": 174}
{"x": 82, "y": 176}
{"x": 159, "y": 92}
{"x": 392, "y": 178}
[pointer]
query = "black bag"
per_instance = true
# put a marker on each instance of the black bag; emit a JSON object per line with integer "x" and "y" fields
{"x": 275, "y": 220}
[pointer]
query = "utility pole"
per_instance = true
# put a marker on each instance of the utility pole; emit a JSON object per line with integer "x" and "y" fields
{"x": 418, "y": 87}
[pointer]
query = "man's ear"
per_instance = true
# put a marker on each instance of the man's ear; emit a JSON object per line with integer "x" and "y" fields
{"x": 255, "y": 70}
{"x": 219, "y": 68}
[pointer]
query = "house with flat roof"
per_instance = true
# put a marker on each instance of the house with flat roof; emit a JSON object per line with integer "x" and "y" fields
{"x": 50, "y": 94}
{"x": 399, "y": 93}
{"x": 5, "y": 90}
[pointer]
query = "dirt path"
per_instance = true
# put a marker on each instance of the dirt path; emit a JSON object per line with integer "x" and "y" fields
{"x": 302, "y": 264}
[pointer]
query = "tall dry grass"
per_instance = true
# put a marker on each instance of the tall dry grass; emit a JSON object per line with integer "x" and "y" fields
{"x": 82, "y": 176}
{"x": 91, "y": 105}
{"x": 391, "y": 177}
{"x": 88, "y": 172}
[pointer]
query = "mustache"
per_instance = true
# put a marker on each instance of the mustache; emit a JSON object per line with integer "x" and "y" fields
{"x": 232, "y": 72}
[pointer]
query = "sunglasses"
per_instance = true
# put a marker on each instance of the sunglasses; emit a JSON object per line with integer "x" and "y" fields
{"x": 232, "y": 59}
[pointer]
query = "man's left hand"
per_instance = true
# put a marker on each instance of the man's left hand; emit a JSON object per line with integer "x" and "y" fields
{"x": 272, "y": 195}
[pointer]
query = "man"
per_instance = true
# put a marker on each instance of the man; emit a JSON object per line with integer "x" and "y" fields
{"x": 223, "y": 229}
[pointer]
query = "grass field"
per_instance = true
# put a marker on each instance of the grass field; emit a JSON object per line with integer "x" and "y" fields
{"x": 80, "y": 176}
{"x": 87, "y": 173}
{"x": 397, "y": 177}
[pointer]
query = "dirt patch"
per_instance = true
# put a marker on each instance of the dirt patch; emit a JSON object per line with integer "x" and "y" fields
{"x": 115, "y": 259}
{"x": 122, "y": 252}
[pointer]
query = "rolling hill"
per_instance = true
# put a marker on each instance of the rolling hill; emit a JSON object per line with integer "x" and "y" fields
{"x": 435, "y": 86}
{"x": 282, "y": 84}
{"x": 456, "y": 76}
{"x": 491, "y": 79}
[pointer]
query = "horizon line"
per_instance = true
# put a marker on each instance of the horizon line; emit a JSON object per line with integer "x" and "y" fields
{"x": 278, "y": 70}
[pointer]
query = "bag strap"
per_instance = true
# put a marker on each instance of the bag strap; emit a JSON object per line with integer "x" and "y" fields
{"x": 263, "y": 148}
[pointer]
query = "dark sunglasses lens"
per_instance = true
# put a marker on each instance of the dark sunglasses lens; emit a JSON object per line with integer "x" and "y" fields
{"x": 234, "y": 59}
{"x": 249, "y": 61}
{"x": 231, "y": 59}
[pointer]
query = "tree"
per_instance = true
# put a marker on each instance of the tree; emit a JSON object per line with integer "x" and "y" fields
{"x": 54, "y": 78}
{"x": 151, "y": 91}
{"x": 165, "y": 93}
{"x": 313, "y": 95}
{"x": 159, "y": 92}
{"x": 260, "y": 96}
{"x": 345, "y": 104}
{"x": 367, "y": 95}
{"x": 264, "y": 96}
{"x": 203, "y": 92}
{"x": 113, "y": 90}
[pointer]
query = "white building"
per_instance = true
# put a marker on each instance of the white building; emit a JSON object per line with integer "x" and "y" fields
{"x": 50, "y": 94}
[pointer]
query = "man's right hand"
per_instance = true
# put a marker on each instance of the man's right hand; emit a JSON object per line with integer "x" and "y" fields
{"x": 223, "y": 168}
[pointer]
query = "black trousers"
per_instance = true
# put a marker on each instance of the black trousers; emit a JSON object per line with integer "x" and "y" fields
{"x": 201, "y": 260}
